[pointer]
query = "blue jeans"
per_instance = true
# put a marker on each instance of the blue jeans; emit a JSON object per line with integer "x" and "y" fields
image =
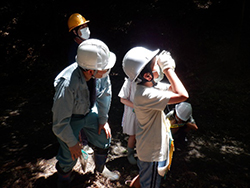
{"x": 90, "y": 125}
{"x": 148, "y": 172}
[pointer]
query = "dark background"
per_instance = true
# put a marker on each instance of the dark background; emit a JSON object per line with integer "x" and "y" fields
{"x": 209, "y": 41}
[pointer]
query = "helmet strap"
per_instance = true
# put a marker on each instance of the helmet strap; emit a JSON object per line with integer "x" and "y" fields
{"x": 86, "y": 70}
{"x": 93, "y": 75}
{"x": 147, "y": 69}
{"x": 154, "y": 83}
{"x": 153, "y": 80}
{"x": 77, "y": 38}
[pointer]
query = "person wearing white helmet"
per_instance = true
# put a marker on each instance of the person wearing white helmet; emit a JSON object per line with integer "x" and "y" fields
{"x": 181, "y": 120}
{"x": 153, "y": 135}
{"x": 82, "y": 101}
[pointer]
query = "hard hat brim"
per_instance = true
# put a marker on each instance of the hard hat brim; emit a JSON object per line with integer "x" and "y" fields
{"x": 154, "y": 53}
{"x": 87, "y": 21}
{"x": 111, "y": 61}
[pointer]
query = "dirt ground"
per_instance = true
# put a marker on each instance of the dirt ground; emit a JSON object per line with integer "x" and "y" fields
{"x": 209, "y": 41}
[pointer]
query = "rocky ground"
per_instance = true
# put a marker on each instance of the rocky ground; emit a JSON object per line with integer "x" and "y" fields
{"x": 209, "y": 41}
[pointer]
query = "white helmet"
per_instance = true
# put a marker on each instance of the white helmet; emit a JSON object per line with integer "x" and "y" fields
{"x": 93, "y": 54}
{"x": 183, "y": 110}
{"x": 135, "y": 60}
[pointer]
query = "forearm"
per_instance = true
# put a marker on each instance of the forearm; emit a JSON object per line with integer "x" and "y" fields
{"x": 176, "y": 85}
{"x": 127, "y": 102}
{"x": 62, "y": 112}
{"x": 103, "y": 106}
{"x": 103, "y": 100}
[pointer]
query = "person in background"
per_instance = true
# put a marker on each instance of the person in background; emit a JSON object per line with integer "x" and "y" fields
{"x": 154, "y": 143}
{"x": 181, "y": 120}
{"x": 79, "y": 32}
{"x": 129, "y": 121}
{"x": 78, "y": 105}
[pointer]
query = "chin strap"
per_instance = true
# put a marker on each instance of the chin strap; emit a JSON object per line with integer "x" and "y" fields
{"x": 77, "y": 37}
{"x": 93, "y": 76}
{"x": 142, "y": 80}
{"x": 154, "y": 83}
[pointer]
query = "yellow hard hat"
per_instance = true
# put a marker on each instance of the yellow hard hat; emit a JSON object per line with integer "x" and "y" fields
{"x": 75, "y": 20}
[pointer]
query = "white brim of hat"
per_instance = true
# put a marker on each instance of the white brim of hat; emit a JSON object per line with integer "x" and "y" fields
{"x": 153, "y": 54}
{"x": 112, "y": 60}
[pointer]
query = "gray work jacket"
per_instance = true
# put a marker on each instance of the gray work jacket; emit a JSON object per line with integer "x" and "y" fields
{"x": 72, "y": 97}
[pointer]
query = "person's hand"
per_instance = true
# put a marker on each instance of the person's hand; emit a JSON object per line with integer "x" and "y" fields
{"x": 106, "y": 128}
{"x": 165, "y": 61}
{"x": 192, "y": 126}
{"x": 76, "y": 151}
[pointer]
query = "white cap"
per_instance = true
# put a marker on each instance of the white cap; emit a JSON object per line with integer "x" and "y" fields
{"x": 94, "y": 54}
{"x": 183, "y": 110}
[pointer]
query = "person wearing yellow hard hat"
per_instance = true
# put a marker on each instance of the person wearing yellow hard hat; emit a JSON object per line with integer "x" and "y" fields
{"x": 79, "y": 31}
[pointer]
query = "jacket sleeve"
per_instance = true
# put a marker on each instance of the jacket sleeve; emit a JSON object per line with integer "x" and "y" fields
{"x": 103, "y": 100}
{"x": 62, "y": 111}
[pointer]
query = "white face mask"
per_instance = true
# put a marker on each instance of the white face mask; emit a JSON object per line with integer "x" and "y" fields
{"x": 85, "y": 33}
{"x": 160, "y": 74}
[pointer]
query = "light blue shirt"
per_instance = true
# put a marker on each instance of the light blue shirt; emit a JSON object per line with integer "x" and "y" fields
{"x": 72, "y": 97}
